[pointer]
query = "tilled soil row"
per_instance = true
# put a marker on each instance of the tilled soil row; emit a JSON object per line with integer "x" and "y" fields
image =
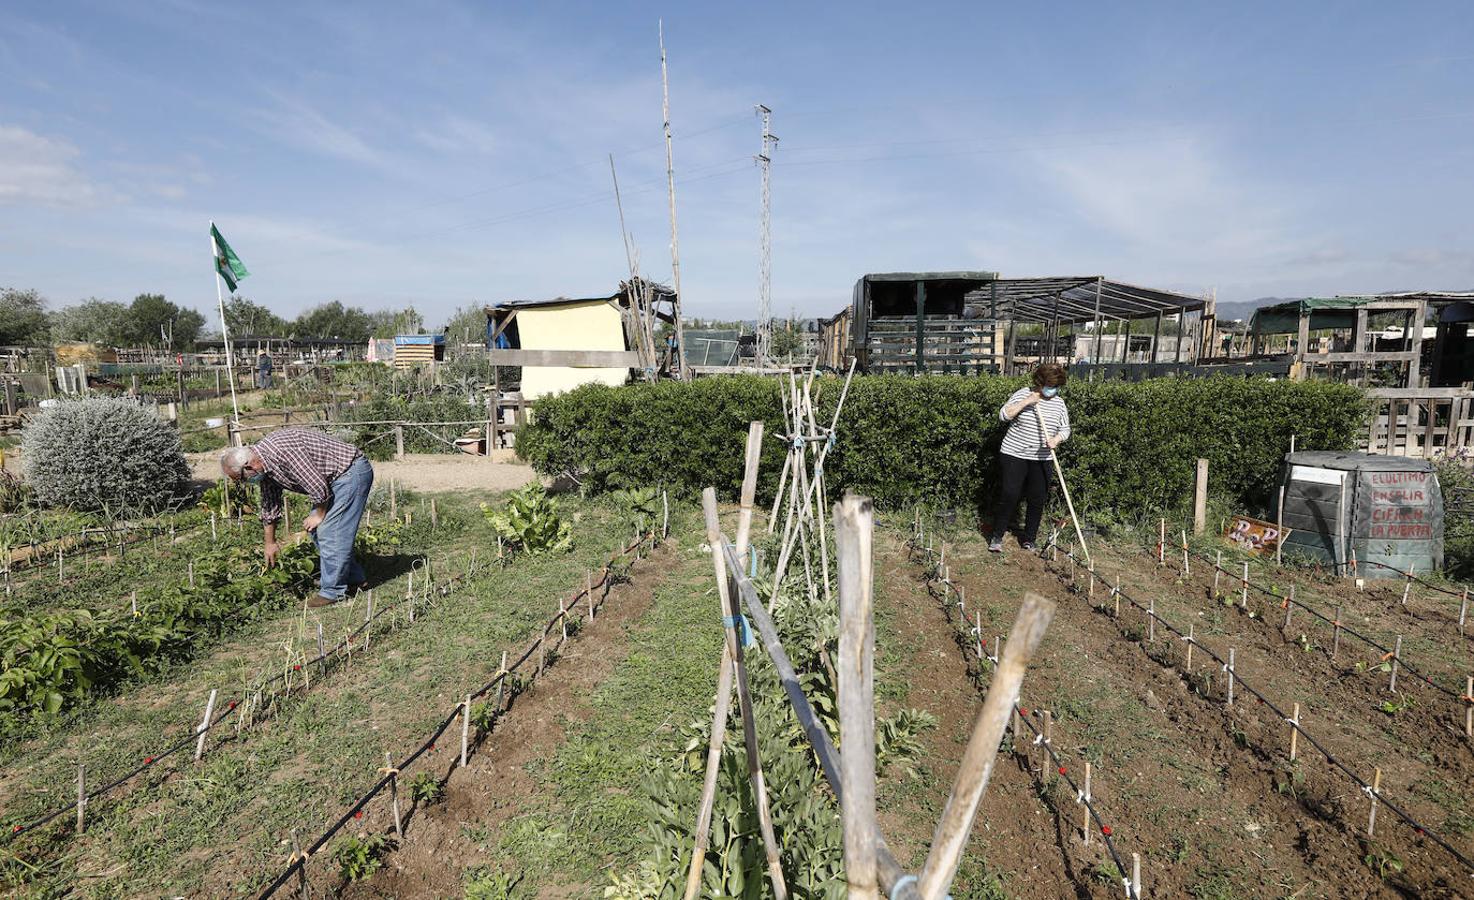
{"x": 1432, "y": 722}
{"x": 1331, "y": 830}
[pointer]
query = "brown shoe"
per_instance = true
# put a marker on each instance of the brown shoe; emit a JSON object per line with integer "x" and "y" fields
{"x": 318, "y": 601}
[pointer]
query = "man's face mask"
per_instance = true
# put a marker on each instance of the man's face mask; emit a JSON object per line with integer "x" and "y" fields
{"x": 255, "y": 477}
{"x": 1049, "y": 393}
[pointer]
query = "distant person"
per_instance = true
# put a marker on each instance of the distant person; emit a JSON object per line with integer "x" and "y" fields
{"x": 1038, "y": 422}
{"x": 263, "y": 370}
{"x": 334, "y": 476}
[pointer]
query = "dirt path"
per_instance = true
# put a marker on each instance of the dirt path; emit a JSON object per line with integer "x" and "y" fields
{"x": 430, "y": 472}
{"x": 443, "y": 840}
{"x": 1016, "y": 836}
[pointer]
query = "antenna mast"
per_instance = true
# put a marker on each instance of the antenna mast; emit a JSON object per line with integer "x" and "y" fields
{"x": 675, "y": 243}
{"x": 765, "y": 273}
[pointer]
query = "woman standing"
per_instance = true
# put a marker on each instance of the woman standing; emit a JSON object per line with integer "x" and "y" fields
{"x": 1038, "y": 421}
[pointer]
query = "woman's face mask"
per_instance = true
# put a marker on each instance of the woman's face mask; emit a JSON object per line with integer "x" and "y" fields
{"x": 255, "y": 477}
{"x": 1049, "y": 393}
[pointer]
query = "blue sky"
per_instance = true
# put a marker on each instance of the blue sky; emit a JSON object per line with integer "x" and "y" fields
{"x": 451, "y": 153}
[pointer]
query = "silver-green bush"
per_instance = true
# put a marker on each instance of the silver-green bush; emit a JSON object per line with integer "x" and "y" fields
{"x": 103, "y": 455}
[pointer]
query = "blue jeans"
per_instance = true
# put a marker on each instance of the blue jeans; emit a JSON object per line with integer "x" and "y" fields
{"x": 334, "y": 536}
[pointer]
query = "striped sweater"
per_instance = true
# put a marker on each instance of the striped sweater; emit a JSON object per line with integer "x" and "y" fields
{"x": 1023, "y": 440}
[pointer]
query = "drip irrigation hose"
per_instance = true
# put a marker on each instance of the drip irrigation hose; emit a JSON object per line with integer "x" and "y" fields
{"x": 230, "y": 710}
{"x": 299, "y": 861}
{"x": 1133, "y": 891}
{"x": 1284, "y": 599}
{"x": 1366, "y": 788}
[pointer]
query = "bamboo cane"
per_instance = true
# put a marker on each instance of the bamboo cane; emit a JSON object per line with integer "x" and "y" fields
{"x": 853, "y": 526}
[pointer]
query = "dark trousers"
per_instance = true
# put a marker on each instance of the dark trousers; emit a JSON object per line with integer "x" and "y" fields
{"x": 1020, "y": 478}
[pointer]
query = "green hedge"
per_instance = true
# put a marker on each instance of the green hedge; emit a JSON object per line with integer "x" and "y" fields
{"x": 933, "y": 440}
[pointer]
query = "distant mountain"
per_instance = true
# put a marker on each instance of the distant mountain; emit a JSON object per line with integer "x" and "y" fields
{"x": 1243, "y": 309}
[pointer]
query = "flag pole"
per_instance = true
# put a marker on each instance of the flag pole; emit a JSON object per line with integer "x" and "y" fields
{"x": 225, "y": 332}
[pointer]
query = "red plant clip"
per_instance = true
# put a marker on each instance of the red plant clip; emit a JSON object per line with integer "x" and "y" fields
{"x": 1022, "y": 711}
{"x": 358, "y": 814}
{"x": 18, "y": 829}
{"x": 230, "y": 705}
{"x": 1105, "y": 830}
{"x": 296, "y": 668}
{"x": 148, "y": 761}
{"x": 1061, "y": 770}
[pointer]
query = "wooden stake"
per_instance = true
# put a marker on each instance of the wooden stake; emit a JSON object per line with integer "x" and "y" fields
{"x": 853, "y": 526}
{"x": 976, "y": 768}
{"x": 1116, "y": 593}
{"x": 1186, "y": 565}
{"x": 1289, "y": 608}
{"x": 1279, "y": 525}
{"x": 1336, "y": 634}
{"x": 1294, "y": 731}
{"x": 1133, "y": 890}
{"x": 393, "y": 774}
{"x": 199, "y": 747}
{"x": 1084, "y": 806}
{"x": 393, "y": 500}
{"x": 744, "y": 699}
{"x": 1244, "y": 595}
{"x": 563, "y": 616}
{"x": 1229, "y": 670}
{"x": 465, "y": 731}
{"x": 1217, "y": 570}
{"x": 501, "y": 682}
{"x": 1190, "y": 641}
{"x": 1396, "y": 659}
{"x": 135, "y": 604}
{"x": 1376, "y": 787}
{"x": 368, "y": 619}
{"x": 1408, "y": 586}
{"x": 1090, "y": 590}
{"x": 1162, "y": 544}
{"x": 1151, "y": 619}
{"x": 297, "y": 854}
{"x": 322, "y": 650}
{"x": 589, "y": 592}
{"x": 81, "y": 798}
{"x": 191, "y": 573}
{"x": 213, "y": 536}
{"x": 1463, "y": 610}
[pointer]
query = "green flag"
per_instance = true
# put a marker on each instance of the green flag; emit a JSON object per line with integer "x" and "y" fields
{"x": 227, "y": 263}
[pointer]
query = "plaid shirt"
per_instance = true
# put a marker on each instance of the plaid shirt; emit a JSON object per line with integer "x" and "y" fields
{"x": 303, "y": 460}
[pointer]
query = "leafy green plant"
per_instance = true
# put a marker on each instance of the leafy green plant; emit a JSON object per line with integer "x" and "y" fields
{"x": 641, "y": 505}
{"x": 361, "y": 855}
{"x": 484, "y": 884}
{"x": 1400, "y": 703}
{"x": 897, "y": 740}
{"x": 530, "y": 522}
{"x": 425, "y": 788}
{"x": 1383, "y": 861}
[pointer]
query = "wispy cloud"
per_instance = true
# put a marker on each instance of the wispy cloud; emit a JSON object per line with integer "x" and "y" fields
{"x": 295, "y": 122}
{"x": 35, "y": 169}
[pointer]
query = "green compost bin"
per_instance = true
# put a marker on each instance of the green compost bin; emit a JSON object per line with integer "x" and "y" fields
{"x": 1386, "y": 512}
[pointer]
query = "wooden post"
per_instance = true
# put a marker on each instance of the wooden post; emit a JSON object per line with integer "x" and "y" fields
{"x": 1408, "y": 586}
{"x": 1396, "y": 659}
{"x": 81, "y": 798}
{"x": 1200, "y": 498}
{"x": 1162, "y": 543}
{"x": 730, "y": 619}
{"x": 976, "y": 767}
{"x": 853, "y": 526}
{"x": 1294, "y": 731}
{"x": 1217, "y": 570}
{"x": 199, "y": 747}
{"x": 213, "y": 536}
{"x": 749, "y": 485}
{"x": 393, "y": 500}
{"x": 1376, "y": 787}
{"x": 1229, "y": 669}
{"x": 1186, "y": 565}
{"x": 501, "y": 683}
{"x": 368, "y": 619}
{"x": 399, "y": 442}
{"x": 563, "y": 616}
{"x": 1463, "y": 610}
{"x": 1336, "y": 634}
{"x": 589, "y": 591}
{"x": 1244, "y": 594}
{"x": 218, "y": 392}
{"x": 434, "y": 516}
{"x": 322, "y": 650}
{"x": 1133, "y": 890}
{"x": 1151, "y": 619}
{"x": 1190, "y": 641}
{"x": 393, "y": 774}
{"x": 1289, "y": 608}
{"x": 465, "y": 730}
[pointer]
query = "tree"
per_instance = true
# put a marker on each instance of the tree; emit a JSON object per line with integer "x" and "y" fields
{"x": 154, "y": 321}
{"x": 467, "y": 325}
{"x": 247, "y": 318}
{"x": 98, "y": 321}
{"x": 388, "y": 322}
{"x": 334, "y": 320}
{"x": 23, "y": 319}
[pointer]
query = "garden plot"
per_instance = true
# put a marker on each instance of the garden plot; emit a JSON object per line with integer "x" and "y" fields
{"x": 220, "y": 822}
{"x": 1244, "y": 799}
